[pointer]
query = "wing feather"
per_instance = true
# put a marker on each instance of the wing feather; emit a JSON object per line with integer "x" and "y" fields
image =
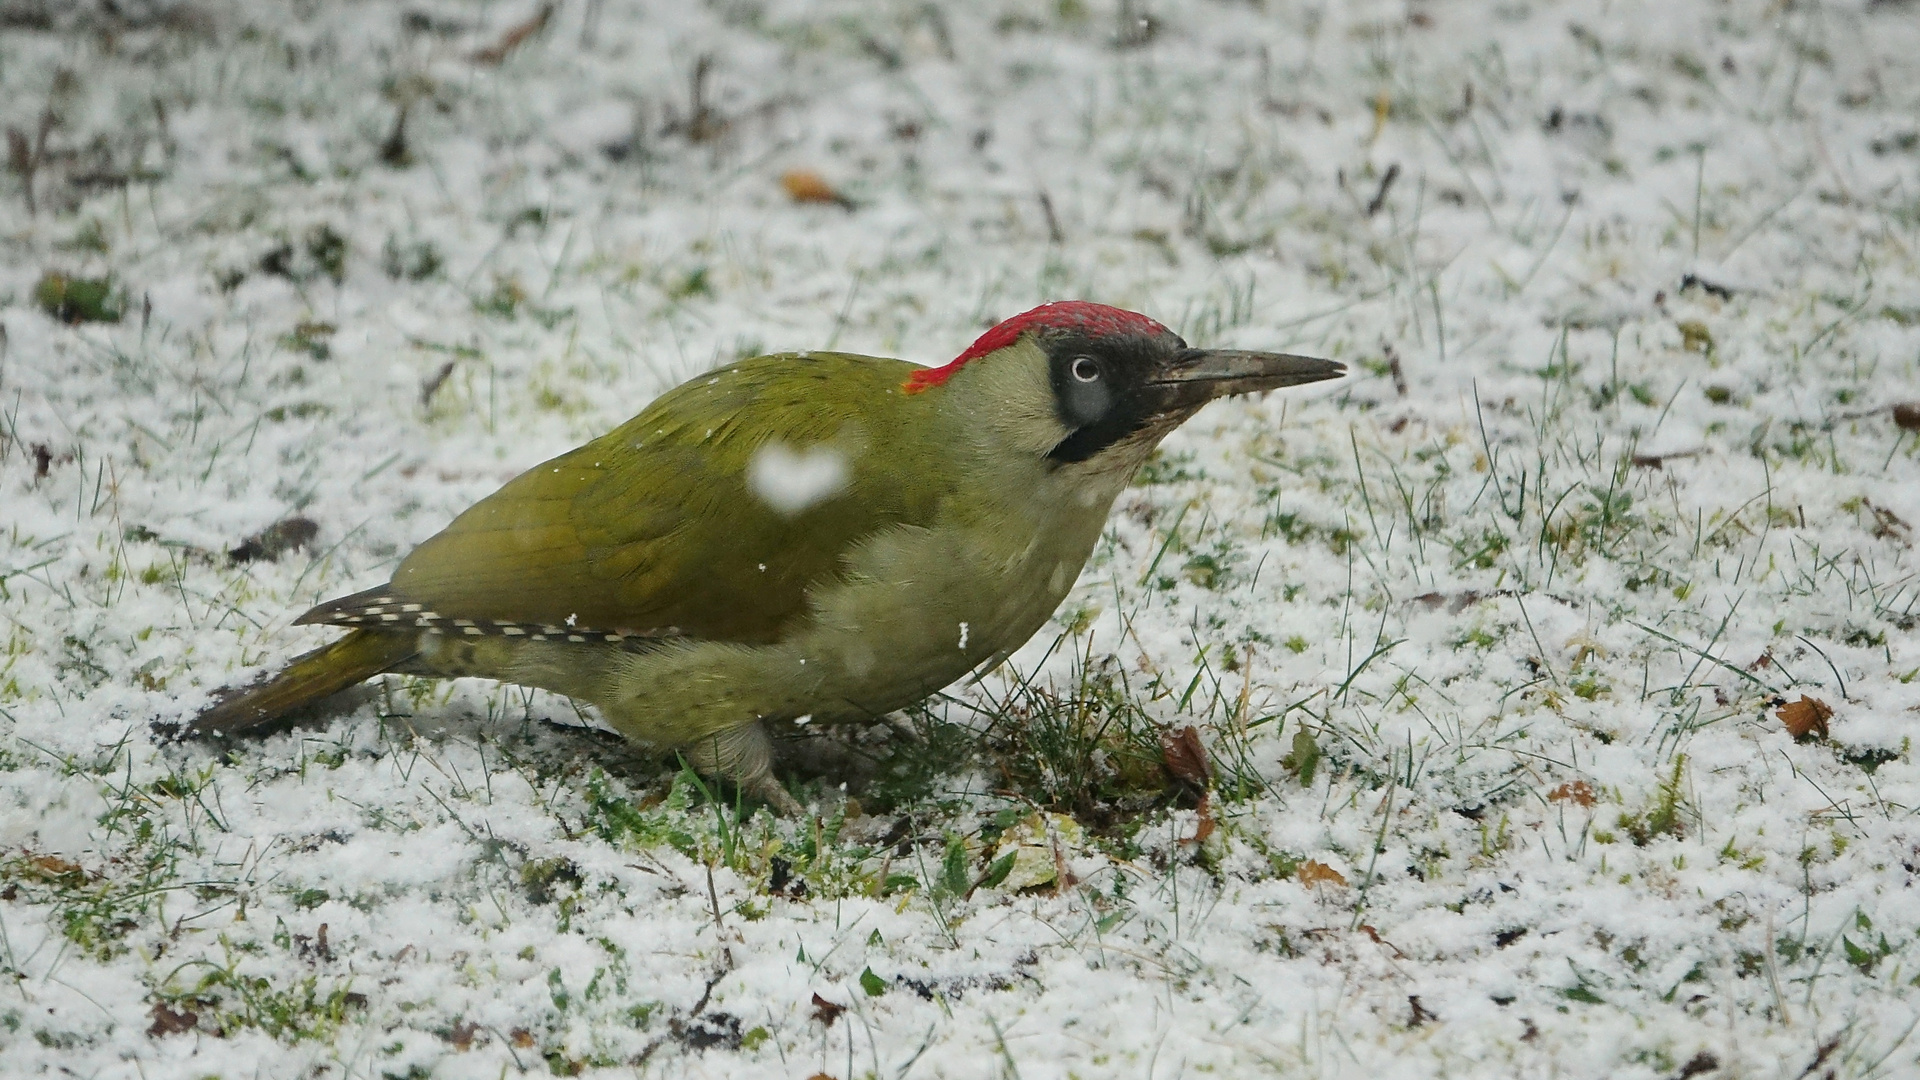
{"x": 655, "y": 529}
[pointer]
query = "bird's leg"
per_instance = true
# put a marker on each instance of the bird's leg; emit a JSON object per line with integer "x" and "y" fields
{"x": 744, "y": 755}
{"x": 741, "y": 754}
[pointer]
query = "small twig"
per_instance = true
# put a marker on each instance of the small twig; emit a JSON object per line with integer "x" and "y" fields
{"x": 678, "y": 1026}
{"x": 1691, "y": 281}
{"x": 496, "y": 54}
{"x": 1054, "y": 235}
{"x": 713, "y": 898}
{"x": 1655, "y": 461}
{"x": 432, "y": 384}
{"x": 1386, "y": 184}
{"x": 21, "y": 162}
{"x": 1820, "y": 1057}
{"x": 24, "y": 158}
{"x": 704, "y": 122}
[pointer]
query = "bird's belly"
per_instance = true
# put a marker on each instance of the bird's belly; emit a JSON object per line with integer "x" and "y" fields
{"x": 917, "y": 611}
{"x": 922, "y": 610}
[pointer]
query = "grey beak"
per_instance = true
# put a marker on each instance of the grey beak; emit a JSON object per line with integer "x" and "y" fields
{"x": 1200, "y": 375}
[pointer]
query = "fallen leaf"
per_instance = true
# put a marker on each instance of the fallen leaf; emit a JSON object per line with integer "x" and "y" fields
{"x": 1373, "y": 935}
{"x": 1579, "y": 791}
{"x": 1038, "y": 844}
{"x": 998, "y": 871}
{"x": 168, "y": 1022}
{"x": 1887, "y": 524}
{"x": 287, "y": 534}
{"x": 1303, "y": 759}
{"x": 1203, "y": 827}
{"x": 461, "y": 1035}
{"x": 1454, "y": 604}
{"x": 55, "y": 870}
{"x": 1186, "y": 758}
{"x": 807, "y": 186}
{"x": 54, "y": 865}
{"x": 1695, "y": 337}
{"x": 1806, "y": 718}
{"x": 826, "y": 1011}
{"x": 522, "y": 1038}
{"x": 1313, "y": 872}
{"x": 77, "y": 300}
{"x": 1906, "y": 415}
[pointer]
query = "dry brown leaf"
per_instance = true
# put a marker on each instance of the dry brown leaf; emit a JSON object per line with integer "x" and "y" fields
{"x": 807, "y": 186}
{"x": 1888, "y": 525}
{"x": 277, "y": 539}
{"x": 168, "y": 1022}
{"x": 826, "y": 1011}
{"x": 1806, "y": 718}
{"x": 1313, "y": 872}
{"x": 1906, "y": 415}
{"x": 522, "y": 1038}
{"x": 1186, "y": 758}
{"x": 1373, "y": 935}
{"x": 1579, "y": 791}
{"x": 1204, "y": 827}
{"x": 54, "y": 869}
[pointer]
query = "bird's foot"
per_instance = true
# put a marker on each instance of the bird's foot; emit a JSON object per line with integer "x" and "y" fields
{"x": 775, "y": 795}
{"x": 744, "y": 755}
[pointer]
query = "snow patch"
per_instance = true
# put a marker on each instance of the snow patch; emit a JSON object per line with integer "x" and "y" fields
{"x": 791, "y": 481}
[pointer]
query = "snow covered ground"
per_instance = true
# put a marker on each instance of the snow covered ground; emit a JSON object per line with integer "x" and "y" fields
{"x": 1494, "y": 646}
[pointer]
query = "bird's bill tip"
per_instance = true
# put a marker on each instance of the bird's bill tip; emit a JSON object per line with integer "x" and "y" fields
{"x": 1236, "y": 371}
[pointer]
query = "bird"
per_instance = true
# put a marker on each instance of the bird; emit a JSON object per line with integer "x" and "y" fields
{"x": 797, "y": 537}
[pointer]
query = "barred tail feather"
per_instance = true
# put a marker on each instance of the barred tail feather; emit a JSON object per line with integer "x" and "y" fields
{"x": 310, "y": 678}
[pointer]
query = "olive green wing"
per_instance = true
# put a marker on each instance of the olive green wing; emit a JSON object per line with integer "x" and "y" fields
{"x": 708, "y": 515}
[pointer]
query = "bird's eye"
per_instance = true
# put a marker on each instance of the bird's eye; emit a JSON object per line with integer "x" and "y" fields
{"x": 1086, "y": 368}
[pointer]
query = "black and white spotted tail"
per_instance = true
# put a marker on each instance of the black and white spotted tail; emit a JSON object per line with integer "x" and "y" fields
{"x": 379, "y": 609}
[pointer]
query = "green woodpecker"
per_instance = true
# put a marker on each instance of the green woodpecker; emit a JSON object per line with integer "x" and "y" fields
{"x": 804, "y": 535}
